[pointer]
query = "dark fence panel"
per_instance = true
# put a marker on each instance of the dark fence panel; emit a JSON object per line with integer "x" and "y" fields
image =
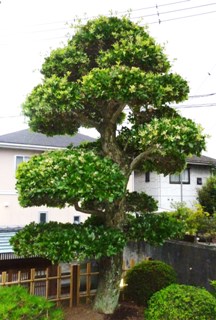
{"x": 194, "y": 263}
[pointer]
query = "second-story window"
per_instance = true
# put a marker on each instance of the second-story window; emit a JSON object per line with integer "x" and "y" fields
{"x": 184, "y": 177}
{"x": 20, "y": 159}
{"x": 147, "y": 177}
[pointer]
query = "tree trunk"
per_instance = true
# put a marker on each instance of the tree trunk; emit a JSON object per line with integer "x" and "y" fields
{"x": 108, "y": 290}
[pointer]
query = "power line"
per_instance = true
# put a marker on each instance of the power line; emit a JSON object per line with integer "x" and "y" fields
{"x": 188, "y": 106}
{"x": 202, "y": 95}
{"x": 11, "y": 116}
{"x": 120, "y": 12}
{"x": 183, "y": 17}
{"x": 157, "y": 6}
{"x": 149, "y": 23}
{"x": 208, "y": 74}
{"x": 172, "y": 11}
{"x": 143, "y": 16}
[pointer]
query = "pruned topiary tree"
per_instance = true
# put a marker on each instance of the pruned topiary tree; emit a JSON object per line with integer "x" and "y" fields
{"x": 109, "y": 69}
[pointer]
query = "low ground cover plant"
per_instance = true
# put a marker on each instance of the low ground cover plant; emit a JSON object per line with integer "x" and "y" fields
{"x": 17, "y": 304}
{"x": 181, "y": 302}
{"x": 146, "y": 278}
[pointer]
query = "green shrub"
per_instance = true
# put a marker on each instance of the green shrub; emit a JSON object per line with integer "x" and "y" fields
{"x": 207, "y": 195}
{"x": 181, "y": 302}
{"x": 147, "y": 277}
{"x": 17, "y": 304}
{"x": 197, "y": 221}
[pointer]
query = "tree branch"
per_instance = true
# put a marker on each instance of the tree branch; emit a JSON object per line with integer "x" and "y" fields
{"x": 87, "y": 211}
{"x": 142, "y": 156}
{"x": 117, "y": 113}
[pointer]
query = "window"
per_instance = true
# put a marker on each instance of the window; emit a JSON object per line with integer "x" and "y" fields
{"x": 199, "y": 181}
{"x": 184, "y": 177}
{"x": 147, "y": 177}
{"x": 20, "y": 159}
{"x": 43, "y": 217}
{"x": 76, "y": 219}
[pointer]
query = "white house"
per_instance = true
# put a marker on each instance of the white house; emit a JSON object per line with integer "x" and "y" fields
{"x": 20, "y": 146}
{"x": 174, "y": 188}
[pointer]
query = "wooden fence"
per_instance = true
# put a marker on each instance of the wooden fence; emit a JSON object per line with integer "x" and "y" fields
{"x": 66, "y": 283}
{"x": 57, "y": 283}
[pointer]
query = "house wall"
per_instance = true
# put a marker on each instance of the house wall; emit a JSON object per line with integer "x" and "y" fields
{"x": 7, "y": 168}
{"x": 11, "y": 213}
{"x": 166, "y": 193}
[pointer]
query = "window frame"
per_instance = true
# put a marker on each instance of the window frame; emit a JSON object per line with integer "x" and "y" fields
{"x": 46, "y": 216}
{"x": 74, "y": 219}
{"x": 147, "y": 176}
{"x": 199, "y": 181}
{"x": 179, "y": 177}
{"x": 24, "y": 157}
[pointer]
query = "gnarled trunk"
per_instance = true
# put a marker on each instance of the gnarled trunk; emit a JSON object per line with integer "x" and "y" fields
{"x": 108, "y": 290}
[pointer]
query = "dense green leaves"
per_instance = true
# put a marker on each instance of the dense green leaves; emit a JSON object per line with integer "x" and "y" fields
{"x": 108, "y": 60}
{"x": 207, "y": 195}
{"x": 181, "y": 302}
{"x": 64, "y": 177}
{"x": 154, "y": 228}
{"x": 56, "y": 103}
{"x": 146, "y": 278}
{"x": 132, "y": 86}
{"x": 140, "y": 202}
{"x": 135, "y": 203}
{"x": 67, "y": 242}
{"x": 165, "y": 141}
{"x": 18, "y": 304}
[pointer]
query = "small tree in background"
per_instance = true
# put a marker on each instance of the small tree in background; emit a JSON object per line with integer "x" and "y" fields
{"x": 110, "y": 68}
{"x": 207, "y": 195}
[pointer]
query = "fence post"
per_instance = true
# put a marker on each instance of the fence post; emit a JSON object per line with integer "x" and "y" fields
{"x": 52, "y": 272}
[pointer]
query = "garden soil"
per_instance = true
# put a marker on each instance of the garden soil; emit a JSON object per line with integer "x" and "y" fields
{"x": 126, "y": 311}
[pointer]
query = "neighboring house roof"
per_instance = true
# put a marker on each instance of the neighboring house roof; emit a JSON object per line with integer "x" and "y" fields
{"x": 203, "y": 160}
{"x": 32, "y": 140}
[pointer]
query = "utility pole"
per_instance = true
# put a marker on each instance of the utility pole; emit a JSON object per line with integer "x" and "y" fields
{"x": 181, "y": 188}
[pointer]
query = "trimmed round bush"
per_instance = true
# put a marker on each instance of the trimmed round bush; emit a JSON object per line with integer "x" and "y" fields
{"x": 17, "y": 304}
{"x": 181, "y": 302}
{"x": 146, "y": 278}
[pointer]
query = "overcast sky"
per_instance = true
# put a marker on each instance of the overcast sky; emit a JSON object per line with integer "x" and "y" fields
{"x": 29, "y": 29}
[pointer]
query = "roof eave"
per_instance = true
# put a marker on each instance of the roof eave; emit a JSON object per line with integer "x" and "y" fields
{"x": 28, "y": 146}
{"x": 201, "y": 164}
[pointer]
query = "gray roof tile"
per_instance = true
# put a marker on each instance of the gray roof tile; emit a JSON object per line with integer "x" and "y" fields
{"x": 28, "y": 137}
{"x": 203, "y": 160}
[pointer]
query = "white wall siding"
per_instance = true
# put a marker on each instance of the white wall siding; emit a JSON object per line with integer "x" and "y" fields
{"x": 167, "y": 193}
{"x": 152, "y": 187}
{"x": 11, "y": 213}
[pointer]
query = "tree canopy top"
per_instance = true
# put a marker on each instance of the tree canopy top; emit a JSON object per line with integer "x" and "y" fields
{"x": 109, "y": 63}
